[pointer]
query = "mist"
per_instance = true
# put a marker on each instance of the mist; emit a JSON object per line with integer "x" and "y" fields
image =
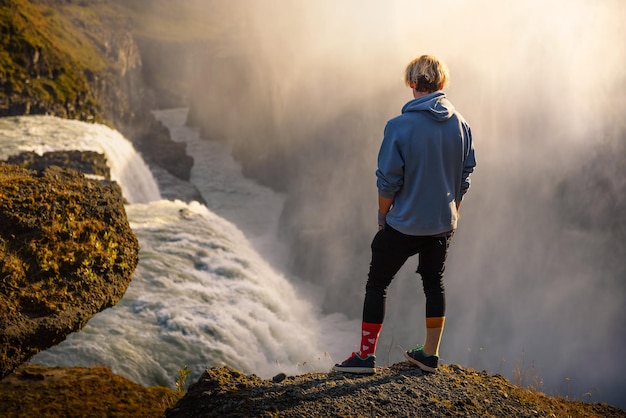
{"x": 535, "y": 278}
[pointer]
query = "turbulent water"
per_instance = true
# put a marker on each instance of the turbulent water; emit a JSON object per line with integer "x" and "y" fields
{"x": 253, "y": 208}
{"x": 201, "y": 295}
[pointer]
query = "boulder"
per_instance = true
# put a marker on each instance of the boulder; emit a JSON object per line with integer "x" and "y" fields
{"x": 66, "y": 253}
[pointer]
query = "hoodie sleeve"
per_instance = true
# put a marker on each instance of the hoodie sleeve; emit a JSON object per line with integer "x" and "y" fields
{"x": 390, "y": 173}
{"x": 469, "y": 162}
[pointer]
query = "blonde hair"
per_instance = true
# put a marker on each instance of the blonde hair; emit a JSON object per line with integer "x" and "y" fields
{"x": 426, "y": 73}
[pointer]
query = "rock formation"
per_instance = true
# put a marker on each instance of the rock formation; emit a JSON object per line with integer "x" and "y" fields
{"x": 400, "y": 390}
{"x": 66, "y": 253}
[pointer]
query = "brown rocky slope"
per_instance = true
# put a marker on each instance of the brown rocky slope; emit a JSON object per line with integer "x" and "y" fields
{"x": 400, "y": 390}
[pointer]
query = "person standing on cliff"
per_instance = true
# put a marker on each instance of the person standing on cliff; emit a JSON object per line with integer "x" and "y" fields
{"x": 424, "y": 168}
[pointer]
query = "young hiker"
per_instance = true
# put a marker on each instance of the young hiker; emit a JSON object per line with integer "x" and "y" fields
{"x": 424, "y": 168}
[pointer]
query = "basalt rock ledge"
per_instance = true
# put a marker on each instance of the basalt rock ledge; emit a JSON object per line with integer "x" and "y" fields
{"x": 66, "y": 253}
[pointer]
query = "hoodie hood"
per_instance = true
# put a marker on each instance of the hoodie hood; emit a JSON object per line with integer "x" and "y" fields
{"x": 436, "y": 105}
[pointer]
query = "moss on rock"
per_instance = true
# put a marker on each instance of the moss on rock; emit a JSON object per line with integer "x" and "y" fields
{"x": 66, "y": 253}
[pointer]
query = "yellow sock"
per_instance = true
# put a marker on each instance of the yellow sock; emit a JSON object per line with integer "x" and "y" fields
{"x": 434, "y": 329}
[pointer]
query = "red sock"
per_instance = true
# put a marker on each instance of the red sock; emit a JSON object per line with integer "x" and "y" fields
{"x": 369, "y": 338}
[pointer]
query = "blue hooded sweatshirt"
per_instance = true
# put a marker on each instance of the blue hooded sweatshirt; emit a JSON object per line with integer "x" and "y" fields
{"x": 424, "y": 165}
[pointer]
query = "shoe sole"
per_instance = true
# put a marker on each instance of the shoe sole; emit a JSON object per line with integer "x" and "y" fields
{"x": 355, "y": 370}
{"x": 418, "y": 364}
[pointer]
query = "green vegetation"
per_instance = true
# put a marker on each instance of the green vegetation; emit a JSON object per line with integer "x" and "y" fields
{"x": 46, "y": 61}
{"x": 181, "y": 381}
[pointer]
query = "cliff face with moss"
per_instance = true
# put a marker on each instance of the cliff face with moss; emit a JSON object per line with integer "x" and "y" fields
{"x": 80, "y": 60}
{"x": 66, "y": 253}
{"x": 58, "y": 58}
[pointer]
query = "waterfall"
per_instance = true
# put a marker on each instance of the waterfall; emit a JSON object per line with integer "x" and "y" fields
{"x": 200, "y": 297}
{"x": 201, "y": 294}
{"x": 48, "y": 133}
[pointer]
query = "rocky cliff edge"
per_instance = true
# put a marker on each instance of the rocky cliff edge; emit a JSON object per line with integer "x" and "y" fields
{"x": 66, "y": 253}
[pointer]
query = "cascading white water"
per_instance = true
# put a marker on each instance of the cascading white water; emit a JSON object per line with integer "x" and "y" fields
{"x": 48, "y": 133}
{"x": 255, "y": 209}
{"x": 201, "y": 294}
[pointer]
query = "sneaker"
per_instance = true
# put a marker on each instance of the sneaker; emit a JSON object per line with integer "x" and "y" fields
{"x": 421, "y": 360}
{"x": 356, "y": 364}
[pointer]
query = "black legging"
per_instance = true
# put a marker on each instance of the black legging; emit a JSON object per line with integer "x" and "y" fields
{"x": 390, "y": 250}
